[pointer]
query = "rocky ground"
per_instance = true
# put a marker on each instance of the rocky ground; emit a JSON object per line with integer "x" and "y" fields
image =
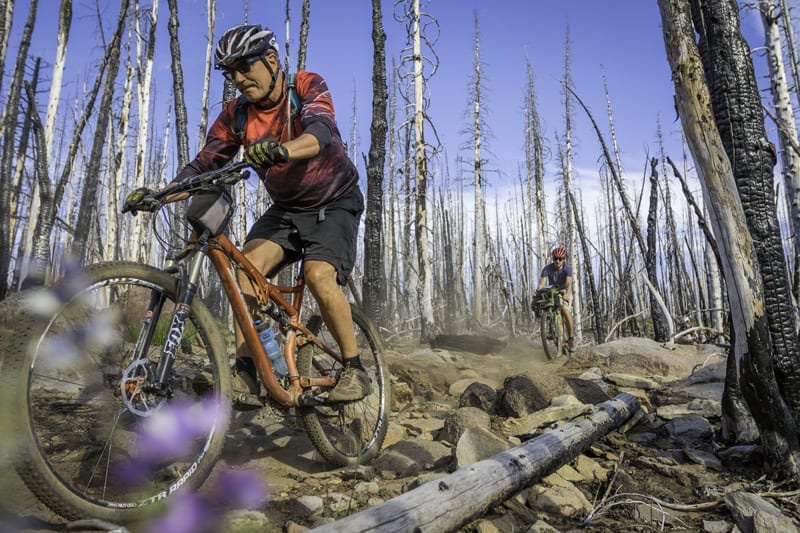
{"x": 664, "y": 469}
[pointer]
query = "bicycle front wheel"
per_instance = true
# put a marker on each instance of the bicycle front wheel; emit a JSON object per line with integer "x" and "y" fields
{"x": 94, "y": 442}
{"x": 350, "y": 432}
{"x": 552, "y": 332}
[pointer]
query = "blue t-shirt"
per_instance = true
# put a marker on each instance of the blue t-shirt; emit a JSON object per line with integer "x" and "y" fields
{"x": 557, "y": 278}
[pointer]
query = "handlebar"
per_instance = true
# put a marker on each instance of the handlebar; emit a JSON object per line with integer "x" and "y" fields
{"x": 227, "y": 175}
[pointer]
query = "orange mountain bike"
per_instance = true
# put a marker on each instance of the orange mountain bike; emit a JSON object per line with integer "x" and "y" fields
{"x": 124, "y": 342}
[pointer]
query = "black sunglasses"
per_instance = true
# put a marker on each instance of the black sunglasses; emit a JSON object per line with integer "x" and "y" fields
{"x": 559, "y": 259}
{"x": 242, "y": 66}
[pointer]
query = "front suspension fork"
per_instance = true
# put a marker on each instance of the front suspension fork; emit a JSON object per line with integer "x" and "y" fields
{"x": 158, "y": 379}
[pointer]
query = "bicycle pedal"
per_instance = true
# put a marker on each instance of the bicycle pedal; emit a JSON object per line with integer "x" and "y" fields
{"x": 247, "y": 402}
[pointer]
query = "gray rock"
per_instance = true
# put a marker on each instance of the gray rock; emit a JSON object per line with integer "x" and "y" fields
{"x": 408, "y": 457}
{"x": 520, "y": 397}
{"x": 634, "y": 381}
{"x": 701, "y": 457}
{"x": 462, "y": 419}
{"x": 530, "y": 423}
{"x": 716, "y": 526}
{"x": 477, "y": 444}
{"x": 340, "y": 503}
{"x": 642, "y": 437}
{"x": 711, "y": 373}
{"x": 754, "y": 513}
{"x": 698, "y": 406}
{"x": 587, "y": 391}
{"x": 424, "y": 426}
{"x": 564, "y": 499}
{"x": 648, "y": 512}
{"x": 306, "y": 507}
{"x": 540, "y": 526}
{"x": 741, "y": 454}
{"x": 248, "y": 521}
{"x": 357, "y": 472}
{"x": 479, "y": 395}
{"x": 689, "y": 430}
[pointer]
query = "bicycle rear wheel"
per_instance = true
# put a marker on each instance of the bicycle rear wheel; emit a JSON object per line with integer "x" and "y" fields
{"x": 552, "y": 332}
{"x": 350, "y": 432}
{"x": 89, "y": 447}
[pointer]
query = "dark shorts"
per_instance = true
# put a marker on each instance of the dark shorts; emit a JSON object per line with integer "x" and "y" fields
{"x": 327, "y": 234}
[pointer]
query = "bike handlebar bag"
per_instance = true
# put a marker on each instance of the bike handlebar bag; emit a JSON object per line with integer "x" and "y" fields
{"x": 211, "y": 210}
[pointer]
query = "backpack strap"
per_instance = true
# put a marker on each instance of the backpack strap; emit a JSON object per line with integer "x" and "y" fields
{"x": 291, "y": 91}
{"x": 240, "y": 118}
{"x": 240, "y": 111}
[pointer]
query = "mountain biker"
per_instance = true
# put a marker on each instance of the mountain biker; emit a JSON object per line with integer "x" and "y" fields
{"x": 316, "y": 202}
{"x": 559, "y": 274}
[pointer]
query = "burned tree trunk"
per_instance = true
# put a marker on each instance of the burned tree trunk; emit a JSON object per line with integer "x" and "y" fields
{"x": 660, "y": 328}
{"x": 738, "y": 113}
{"x": 373, "y": 288}
{"x": 751, "y": 354}
{"x": 89, "y": 198}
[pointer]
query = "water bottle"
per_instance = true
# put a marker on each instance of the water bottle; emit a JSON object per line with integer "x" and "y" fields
{"x": 272, "y": 348}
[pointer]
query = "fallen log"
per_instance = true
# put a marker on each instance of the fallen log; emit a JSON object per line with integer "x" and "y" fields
{"x": 447, "y": 503}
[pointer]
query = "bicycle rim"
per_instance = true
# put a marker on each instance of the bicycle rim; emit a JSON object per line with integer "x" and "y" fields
{"x": 352, "y": 432}
{"x": 94, "y": 451}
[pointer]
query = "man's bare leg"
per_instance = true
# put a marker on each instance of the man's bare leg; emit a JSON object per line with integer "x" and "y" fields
{"x": 335, "y": 309}
{"x": 333, "y": 305}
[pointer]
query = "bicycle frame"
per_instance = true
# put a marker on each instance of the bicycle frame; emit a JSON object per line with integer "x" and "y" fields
{"x": 226, "y": 259}
{"x": 224, "y": 255}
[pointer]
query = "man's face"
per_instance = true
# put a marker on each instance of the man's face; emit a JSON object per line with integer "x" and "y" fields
{"x": 558, "y": 263}
{"x": 251, "y": 77}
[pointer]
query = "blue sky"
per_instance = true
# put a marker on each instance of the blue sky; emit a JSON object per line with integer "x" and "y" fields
{"x": 619, "y": 38}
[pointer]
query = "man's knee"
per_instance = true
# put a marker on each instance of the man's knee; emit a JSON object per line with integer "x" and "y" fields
{"x": 319, "y": 274}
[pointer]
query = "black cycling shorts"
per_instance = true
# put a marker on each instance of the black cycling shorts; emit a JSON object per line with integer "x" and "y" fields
{"x": 327, "y": 234}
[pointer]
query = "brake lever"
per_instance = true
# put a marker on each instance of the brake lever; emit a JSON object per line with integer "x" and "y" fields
{"x": 235, "y": 178}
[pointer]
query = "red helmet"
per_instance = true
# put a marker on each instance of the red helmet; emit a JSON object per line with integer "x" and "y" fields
{"x": 559, "y": 252}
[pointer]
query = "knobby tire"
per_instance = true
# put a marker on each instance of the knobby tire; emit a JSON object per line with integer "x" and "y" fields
{"x": 552, "y": 332}
{"x": 348, "y": 433}
{"x": 80, "y": 449}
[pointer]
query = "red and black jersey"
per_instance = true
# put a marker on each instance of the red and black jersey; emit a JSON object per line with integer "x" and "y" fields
{"x": 298, "y": 184}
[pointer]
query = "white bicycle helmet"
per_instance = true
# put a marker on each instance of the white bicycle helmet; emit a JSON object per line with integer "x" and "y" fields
{"x": 242, "y": 41}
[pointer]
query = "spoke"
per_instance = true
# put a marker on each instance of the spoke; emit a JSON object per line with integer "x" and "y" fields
{"x": 106, "y": 447}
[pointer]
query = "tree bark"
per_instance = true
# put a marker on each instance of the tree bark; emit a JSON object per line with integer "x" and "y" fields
{"x": 738, "y": 113}
{"x": 6, "y": 18}
{"x": 9, "y": 126}
{"x": 374, "y": 289}
{"x": 421, "y": 229}
{"x": 784, "y": 118}
{"x": 87, "y": 214}
{"x": 660, "y": 327}
{"x": 750, "y": 350}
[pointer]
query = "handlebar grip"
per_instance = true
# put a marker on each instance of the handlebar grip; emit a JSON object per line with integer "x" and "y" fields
{"x": 176, "y": 197}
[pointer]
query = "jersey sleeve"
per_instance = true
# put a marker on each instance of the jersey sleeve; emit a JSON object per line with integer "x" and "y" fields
{"x": 221, "y": 145}
{"x": 317, "y": 115}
